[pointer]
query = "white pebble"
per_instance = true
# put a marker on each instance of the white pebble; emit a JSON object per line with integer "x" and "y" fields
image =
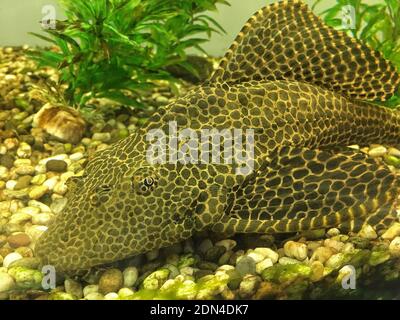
{"x": 56, "y": 196}
{"x": 24, "y": 150}
{"x": 187, "y": 271}
{"x": 29, "y": 210}
{"x": 86, "y": 141}
{"x": 268, "y": 253}
{"x": 367, "y": 232}
{"x": 225, "y": 268}
{"x": 348, "y": 248}
{"x": 60, "y": 188}
{"x": 125, "y": 292}
{"x": 295, "y": 250}
{"x": 131, "y": 128}
{"x": 378, "y": 151}
{"x": 317, "y": 271}
{"x": 91, "y": 288}
{"x": 51, "y": 183}
{"x": 22, "y": 162}
{"x": 335, "y": 260}
{"x": 101, "y": 136}
{"x": 37, "y": 192}
{"x": 257, "y": 257}
{"x": 11, "y": 143}
{"x": 42, "y": 219}
{"x": 248, "y": 286}
{"x": 3, "y": 172}
{"x": 332, "y": 232}
{"x": 228, "y": 244}
{"x": 322, "y": 254}
{"x": 221, "y": 276}
{"x": 261, "y": 266}
{"x": 130, "y": 276}
{"x": 334, "y": 244}
{"x": 66, "y": 175}
{"x": 286, "y": 260}
{"x": 7, "y": 282}
{"x": 94, "y": 296}
{"x": 25, "y": 170}
{"x": 37, "y": 204}
{"x": 56, "y": 157}
{"x": 10, "y": 184}
{"x": 354, "y": 147}
{"x": 394, "y": 247}
{"x": 10, "y": 258}
{"x": 111, "y": 296}
{"x": 15, "y": 205}
{"x": 392, "y": 232}
{"x": 76, "y": 156}
{"x": 40, "y": 169}
{"x": 18, "y": 218}
{"x": 34, "y": 232}
{"x": 10, "y": 77}
{"x": 38, "y": 179}
{"x": 170, "y": 283}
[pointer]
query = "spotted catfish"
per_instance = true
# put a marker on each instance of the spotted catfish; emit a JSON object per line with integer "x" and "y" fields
{"x": 297, "y": 85}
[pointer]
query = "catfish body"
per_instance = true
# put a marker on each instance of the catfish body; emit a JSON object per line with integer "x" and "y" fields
{"x": 291, "y": 80}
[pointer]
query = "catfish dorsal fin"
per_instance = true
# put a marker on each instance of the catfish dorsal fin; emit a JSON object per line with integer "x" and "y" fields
{"x": 286, "y": 41}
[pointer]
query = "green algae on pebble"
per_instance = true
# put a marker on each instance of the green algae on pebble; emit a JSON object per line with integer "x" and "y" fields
{"x": 142, "y": 121}
{"x": 338, "y": 260}
{"x": 155, "y": 280}
{"x": 393, "y": 161}
{"x": 208, "y": 287}
{"x": 286, "y": 273}
{"x": 360, "y": 258}
{"x": 61, "y": 296}
{"x": 26, "y": 278}
{"x": 296, "y": 290}
{"x": 187, "y": 260}
{"x": 26, "y": 262}
{"x": 378, "y": 257}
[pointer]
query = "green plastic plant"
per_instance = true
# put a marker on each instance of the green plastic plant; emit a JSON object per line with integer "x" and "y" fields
{"x": 377, "y": 25}
{"x": 115, "y": 49}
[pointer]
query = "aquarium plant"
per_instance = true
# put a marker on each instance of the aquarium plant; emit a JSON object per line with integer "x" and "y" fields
{"x": 377, "y": 25}
{"x": 115, "y": 49}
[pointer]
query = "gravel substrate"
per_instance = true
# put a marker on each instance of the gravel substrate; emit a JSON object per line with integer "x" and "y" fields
{"x": 34, "y": 168}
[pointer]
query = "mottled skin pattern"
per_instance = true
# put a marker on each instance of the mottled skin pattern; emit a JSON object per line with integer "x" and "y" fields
{"x": 284, "y": 90}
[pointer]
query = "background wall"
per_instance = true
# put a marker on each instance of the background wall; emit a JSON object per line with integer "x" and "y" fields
{"x": 18, "y": 17}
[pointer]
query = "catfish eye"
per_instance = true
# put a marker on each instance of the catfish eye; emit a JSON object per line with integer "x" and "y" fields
{"x": 148, "y": 182}
{"x": 144, "y": 186}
